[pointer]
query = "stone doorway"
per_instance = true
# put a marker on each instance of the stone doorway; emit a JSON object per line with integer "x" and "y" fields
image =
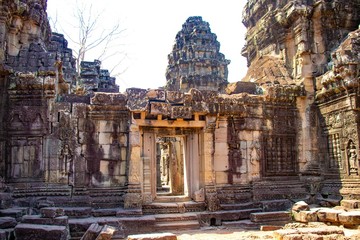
{"x": 171, "y": 166}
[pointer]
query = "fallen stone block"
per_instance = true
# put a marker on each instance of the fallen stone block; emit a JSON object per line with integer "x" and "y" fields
{"x": 26, "y": 231}
{"x": 106, "y": 233}
{"x": 16, "y": 213}
{"x": 270, "y": 216}
{"x": 7, "y": 233}
{"x": 38, "y": 219}
{"x": 350, "y": 204}
{"x": 329, "y": 215}
{"x": 300, "y": 206}
{"x": 269, "y": 228}
{"x": 305, "y": 216}
{"x": 52, "y": 212}
{"x": 92, "y": 232}
{"x": 153, "y": 236}
{"x": 7, "y": 222}
{"x": 350, "y": 218}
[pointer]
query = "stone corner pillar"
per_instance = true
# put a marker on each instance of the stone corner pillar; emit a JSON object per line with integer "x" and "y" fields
{"x": 211, "y": 198}
{"x": 133, "y": 197}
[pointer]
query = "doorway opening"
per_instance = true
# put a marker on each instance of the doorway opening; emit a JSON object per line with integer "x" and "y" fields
{"x": 171, "y": 166}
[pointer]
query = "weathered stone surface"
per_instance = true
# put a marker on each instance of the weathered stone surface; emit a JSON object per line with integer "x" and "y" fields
{"x": 196, "y": 61}
{"x": 350, "y": 204}
{"x": 351, "y": 218}
{"x": 270, "y": 216}
{"x": 46, "y": 232}
{"x": 309, "y": 233}
{"x": 16, "y": 213}
{"x": 305, "y": 216}
{"x": 106, "y": 233}
{"x": 242, "y": 87}
{"x": 52, "y": 212}
{"x": 153, "y": 236}
{"x": 5, "y": 200}
{"x": 329, "y": 215}
{"x": 300, "y": 206}
{"x": 92, "y": 232}
{"x": 39, "y": 219}
{"x": 7, "y": 222}
{"x": 289, "y": 131}
{"x": 79, "y": 212}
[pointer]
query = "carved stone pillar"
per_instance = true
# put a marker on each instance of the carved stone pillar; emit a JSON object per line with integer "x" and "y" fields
{"x": 209, "y": 149}
{"x": 133, "y": 195}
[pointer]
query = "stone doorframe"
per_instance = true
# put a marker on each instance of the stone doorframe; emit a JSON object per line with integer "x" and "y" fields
{"x": 192, "y": 154}
{"x": 142, "y": 162}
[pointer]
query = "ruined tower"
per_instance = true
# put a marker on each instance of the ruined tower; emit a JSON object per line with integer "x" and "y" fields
{"x": 196, "y": 61}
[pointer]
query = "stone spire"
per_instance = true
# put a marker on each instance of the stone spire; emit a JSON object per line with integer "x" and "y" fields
{"x": 196, "y": 61}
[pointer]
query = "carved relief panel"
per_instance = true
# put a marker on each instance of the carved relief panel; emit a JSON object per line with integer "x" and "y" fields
{"x": 279, "y": 155}
{"x": 25, "y": 158}
{"x": 342, "y": 134}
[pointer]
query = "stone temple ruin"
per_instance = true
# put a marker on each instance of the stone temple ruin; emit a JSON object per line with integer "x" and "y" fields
{"x": 77, "y": 157}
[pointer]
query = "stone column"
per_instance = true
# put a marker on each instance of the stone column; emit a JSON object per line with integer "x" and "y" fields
{"x": 209, "y": 149}
{"x": 133, "y": 195}
{"x": 308, "y": 139}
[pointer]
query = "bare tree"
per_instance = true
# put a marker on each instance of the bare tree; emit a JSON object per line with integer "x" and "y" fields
{"x": 91, "y": 35}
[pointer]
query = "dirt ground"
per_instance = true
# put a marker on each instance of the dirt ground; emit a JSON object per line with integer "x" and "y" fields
{"x": 223, "y": 234}
{"x": 234, "y": 234}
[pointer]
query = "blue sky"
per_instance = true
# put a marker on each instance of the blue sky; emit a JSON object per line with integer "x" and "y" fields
{"x": 150, "y": 30}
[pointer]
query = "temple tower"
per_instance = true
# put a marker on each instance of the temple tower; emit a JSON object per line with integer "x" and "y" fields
{"x": 196, "y": 61}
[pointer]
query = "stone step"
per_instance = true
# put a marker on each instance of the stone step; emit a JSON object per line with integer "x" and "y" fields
{"x": 27, "y": 231}
{"x": 235, "y": 194}
{"x": 42, "y": 191}
{"x": 103, "y": 212}
{"x": 177, "y": 225}
{"x": 7, "y": 222}
{"x": 176, "y": 217}
{"x": 242, "y": 224}
{"x": 165, "y": 199}
{"x": 216, "y": 218}
{"x": 174, "y": 207}
{"x": 240, "y": 206}
{"x": 38, "y": 219}
{"x": 276, "y": 205}
{"x": 78, "y": 212}
{"x": 129, "y": 212}
{"x": 15, "y": 212}
{"x": 71, "y": 201}
{"x": 270, "y": 217}
{"x": 124, "y": 225}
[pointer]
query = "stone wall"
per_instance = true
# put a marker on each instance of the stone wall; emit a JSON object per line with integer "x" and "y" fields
{"x": 291, "y": 40}
{"x": 290, "y": 131}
